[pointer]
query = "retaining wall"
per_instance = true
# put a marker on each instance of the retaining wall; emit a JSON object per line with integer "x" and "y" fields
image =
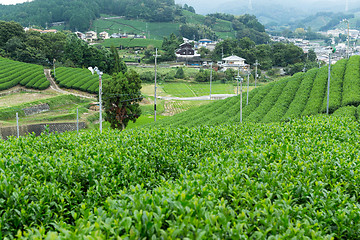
{"x": 39, "y": 128}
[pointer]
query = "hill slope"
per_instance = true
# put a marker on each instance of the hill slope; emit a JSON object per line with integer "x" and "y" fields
{"x": 300, "y": 95}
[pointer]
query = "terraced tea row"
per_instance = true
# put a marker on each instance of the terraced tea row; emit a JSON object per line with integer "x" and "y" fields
{"x": 288, "y": 180}
{"x": 300, "y": 95}
{"x": 76, "y": 78}
{"x": 13, "y": 73}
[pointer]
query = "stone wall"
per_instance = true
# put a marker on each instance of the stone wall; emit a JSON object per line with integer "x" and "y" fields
{"x": 36, "y": 109}
{"x": 39, "y": 128}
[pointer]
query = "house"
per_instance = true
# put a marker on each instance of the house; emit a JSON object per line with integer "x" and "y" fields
{"x": 49, "y": 31}
{"x": 185, "y": 49}
{"x": 90, "y": 36}
{"x": 187, "y": 53}
{"x": 80, "y": 35}
{"x": 235, "y": 63}
{"x": 104, "y": 35}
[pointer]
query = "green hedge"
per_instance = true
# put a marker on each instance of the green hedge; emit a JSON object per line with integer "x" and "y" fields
{"x": 287, "y": 96}
{"x": 351, "y": 92}
{"x": 317, "y": 94}
{"x": 347, "y": 111}
{"x": 302, "y": 95}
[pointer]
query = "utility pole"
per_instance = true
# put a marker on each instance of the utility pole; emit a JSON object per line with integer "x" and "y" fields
{"x": 332, "y": 50}
{"x": 17, "y": 125}
{"x": 256, "y": 72}
{"x": 248, "y": 82}
{"x": 156, "y": 56}
{"x": 348, "y": 40}
{"x": 54, "y": 60}
{"x": 237, "y": 88}
{"x": 93, "y": 70}
{"x": 240, "y": 79}
{"x": 211, "y": 77}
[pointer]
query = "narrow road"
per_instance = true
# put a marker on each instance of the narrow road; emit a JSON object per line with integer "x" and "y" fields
{"x": 213, "y": 97}
{"x": 56, "y": 88}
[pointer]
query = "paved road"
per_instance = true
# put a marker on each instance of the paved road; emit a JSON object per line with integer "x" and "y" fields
{"x": 56, "y": 88}
{"x": 201, "y": 98}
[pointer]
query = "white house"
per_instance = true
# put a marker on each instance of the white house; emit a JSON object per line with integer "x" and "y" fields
{"x": 234, "y": 62}
{"x": 91, "y": 36}
{"x": 80, "y": 35}
{"x": 104, "y": 35}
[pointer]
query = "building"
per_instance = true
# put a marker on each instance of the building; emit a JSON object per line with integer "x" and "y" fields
{"x": 187, "y": 53}
{"x": 234, "y": 62}
{"x": 90, "y": 36}
{"x": 80, "y": 35}
{"x": 104, "y": 35}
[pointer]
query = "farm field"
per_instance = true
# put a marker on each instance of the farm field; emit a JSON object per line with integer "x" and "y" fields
{"x": 196, "y": 89}
{"x": 300, "y": 95}
{"x": 79, "y": 79}
{"x": 288, "y": 180}
{"x": 62, "y": 108}
{"x": 131, "y": 43}
{"x": 155, "y": 30}
{"x": 15, "y": 73}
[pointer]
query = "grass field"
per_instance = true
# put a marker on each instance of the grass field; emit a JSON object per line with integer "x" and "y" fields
{"x": 196, "y": 89}
{"x": 131, "y": 43}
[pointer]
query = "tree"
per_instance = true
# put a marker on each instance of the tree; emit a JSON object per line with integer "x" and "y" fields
{"x": 117, "y": 64}
{"x": 180, "y": 73}
{"x": 121, "y": 99}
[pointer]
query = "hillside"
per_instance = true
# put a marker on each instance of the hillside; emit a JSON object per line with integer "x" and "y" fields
{"x": 15, "y": 73}
{"x": 300, "y": 95}
{"x": 290, "y": 180}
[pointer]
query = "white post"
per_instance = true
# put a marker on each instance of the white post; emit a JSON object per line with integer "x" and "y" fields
{"x": 328, "y": 87}
{"x": 256, "y": 71}
{"x": 248, "y": 83}
{"x": 54, "y": 68}
{"x": 241, "y": 100}
{"x": 17, "y": 125}
{"x": 77, "y": 120}
{"x": 156, "y": 55}
{"x": 237, "y": 88}
{"x": 210, "y": 78}
{"x": 100, "y": 102}
{"x": 348, "y": 40}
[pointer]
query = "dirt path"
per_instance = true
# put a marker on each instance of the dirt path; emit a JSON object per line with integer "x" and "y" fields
{"x": 56, "y": 88}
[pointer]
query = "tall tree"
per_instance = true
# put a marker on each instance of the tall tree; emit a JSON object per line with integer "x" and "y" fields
{"x": 121, "y": 99}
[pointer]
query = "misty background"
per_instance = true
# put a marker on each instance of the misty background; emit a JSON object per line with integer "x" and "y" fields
{"x": 275, "y": 11}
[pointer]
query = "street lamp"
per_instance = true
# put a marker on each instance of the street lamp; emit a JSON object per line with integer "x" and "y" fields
{"x": 93, "y": 70}
{"x": 239, "y": 79}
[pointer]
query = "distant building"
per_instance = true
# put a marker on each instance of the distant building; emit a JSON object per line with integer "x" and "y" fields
{"x": 91, "y": 36}
{"x": 40, "y": 31}
{"x": 80, "y": 35}
{"x": 234, "y": 62}
{"x": 187, "y": 53}
{"x": 104, "y": 35}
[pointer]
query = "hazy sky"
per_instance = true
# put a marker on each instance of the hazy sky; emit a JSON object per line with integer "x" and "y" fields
{"x": 11, "y": 1}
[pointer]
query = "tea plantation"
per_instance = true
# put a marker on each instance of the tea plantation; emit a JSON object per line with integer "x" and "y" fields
{"x": 80, "y": 79}
{"x": 303, "y": 94}
{"x": 28, "y": 75}
{"x": 297, "y": 179}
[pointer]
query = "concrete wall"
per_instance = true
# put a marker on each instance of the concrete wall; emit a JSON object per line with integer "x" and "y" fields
{"x": 36, "y": 109}
{"x": 39, "y": 128}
